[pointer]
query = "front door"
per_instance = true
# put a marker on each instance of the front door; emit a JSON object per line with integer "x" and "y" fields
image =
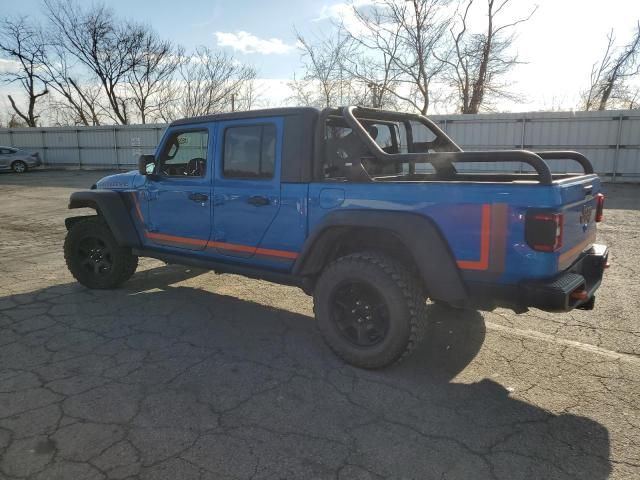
{"x": 246, "y": 185}
{"x": 179, "y": 193}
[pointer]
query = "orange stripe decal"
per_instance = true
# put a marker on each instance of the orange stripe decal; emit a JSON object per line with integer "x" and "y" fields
{"x": 276, "y": 253}
{"x": 570, "y": 255}
{"x": 174, "y": 239}
{"x": 231, "y": 246}
{"x": 222, "y": 245}
{"x": 485, "y": 233}
{"x": 245, "y": 248}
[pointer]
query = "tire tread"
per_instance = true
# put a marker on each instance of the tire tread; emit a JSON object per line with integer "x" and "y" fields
{"x": 412, "y": 292}
{"x": 123, "y": 269}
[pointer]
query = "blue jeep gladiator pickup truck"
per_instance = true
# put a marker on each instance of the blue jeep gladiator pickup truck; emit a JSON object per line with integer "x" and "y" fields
{"x": 372, "y": 212}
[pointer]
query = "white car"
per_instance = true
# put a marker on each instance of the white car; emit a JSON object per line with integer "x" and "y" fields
{"x": 18, "y": 160}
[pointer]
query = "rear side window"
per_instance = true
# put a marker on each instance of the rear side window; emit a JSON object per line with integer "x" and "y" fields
{"x": 249, "y": 152}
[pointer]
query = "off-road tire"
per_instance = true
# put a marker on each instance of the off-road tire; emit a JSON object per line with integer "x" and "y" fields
{"x": 19, "y": 167}
{"x": 123, "y": 263}
{"x": 401, "y": 291}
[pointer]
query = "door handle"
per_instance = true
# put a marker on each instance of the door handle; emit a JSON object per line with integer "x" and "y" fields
{"x": 198, "y": 197}
{"x": 258, "y": 200}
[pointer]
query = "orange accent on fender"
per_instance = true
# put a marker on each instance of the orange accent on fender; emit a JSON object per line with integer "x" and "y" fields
{"x": 137, "y": 205}
{"x": 485, "y": 232}
{"x": 222, "y": 245}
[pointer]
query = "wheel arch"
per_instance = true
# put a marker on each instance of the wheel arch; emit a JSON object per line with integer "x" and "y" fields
{"x": 413, "y": 239}
{"x": 112, "y": 207}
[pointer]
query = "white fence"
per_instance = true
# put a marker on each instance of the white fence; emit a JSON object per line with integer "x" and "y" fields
{"x": 611, "y": 139}
{"x": 86, "y": 147}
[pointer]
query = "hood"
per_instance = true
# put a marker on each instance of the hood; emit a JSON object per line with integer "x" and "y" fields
{"x": 121, "y": 181}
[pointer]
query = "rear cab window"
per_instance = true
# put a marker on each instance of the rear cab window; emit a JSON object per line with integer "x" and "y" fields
{"x": 343, "y": 146}
{"x": 249, "y": 152}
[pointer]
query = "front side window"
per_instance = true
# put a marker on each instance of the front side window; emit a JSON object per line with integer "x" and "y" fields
{"x": 249, "y": 152}
{"x": 185, "y": 154}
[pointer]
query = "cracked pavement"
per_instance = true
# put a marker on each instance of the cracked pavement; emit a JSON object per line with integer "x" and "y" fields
{"x": 184, "y": 374}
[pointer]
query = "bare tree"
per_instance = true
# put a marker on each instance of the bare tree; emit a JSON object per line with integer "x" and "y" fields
{"x": 478, "y": 61}
{"x": 75, "y": 103}
{"x": 325, "y": 82}
{"x": 247, "y": 96}
{"x": 371, "y": 61}
{"x": 84, "y": 104}
{"x": 609, "y": 76}
{"x": 157, "y": 61}
{"x": 203, "y": 85}
{"x": 108, "y": 47}
{"x": 408, "y": 35}
{"x": 22, "y": 43}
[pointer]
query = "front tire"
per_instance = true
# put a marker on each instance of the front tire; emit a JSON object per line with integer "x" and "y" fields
{"x": 19, "y": 166}
{"x": 94, "y": 257}
{"x": 370, "y": 309}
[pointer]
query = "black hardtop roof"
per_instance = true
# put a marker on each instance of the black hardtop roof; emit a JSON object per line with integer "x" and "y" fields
{"x": 267, "y": 112}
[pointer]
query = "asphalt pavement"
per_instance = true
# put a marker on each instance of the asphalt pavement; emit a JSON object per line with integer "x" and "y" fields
{"x": 184, "y": 374}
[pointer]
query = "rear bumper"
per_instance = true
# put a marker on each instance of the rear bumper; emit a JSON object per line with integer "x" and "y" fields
{"x": 573, "y": 288}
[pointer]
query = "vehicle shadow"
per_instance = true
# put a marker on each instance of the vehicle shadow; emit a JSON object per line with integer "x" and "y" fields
{"x": 184, "y": 359}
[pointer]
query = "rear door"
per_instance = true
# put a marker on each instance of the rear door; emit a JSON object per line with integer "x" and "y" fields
{"x": 246, "y": 188}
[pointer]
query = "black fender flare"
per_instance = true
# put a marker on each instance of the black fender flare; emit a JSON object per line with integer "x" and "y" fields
{"x": 419, "y": 234}
{"x": 113, "y": 208}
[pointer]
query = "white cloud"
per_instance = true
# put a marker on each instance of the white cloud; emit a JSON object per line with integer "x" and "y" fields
{"x": 343, "y": 12}
{"x": 246, "y": 42}
{"x": 339, "y": 10}
{"x": 9, "y": 65}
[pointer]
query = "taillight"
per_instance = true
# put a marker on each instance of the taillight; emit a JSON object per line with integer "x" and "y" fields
{"x": 599, "y": 207}
{"x": 543, "y": 230}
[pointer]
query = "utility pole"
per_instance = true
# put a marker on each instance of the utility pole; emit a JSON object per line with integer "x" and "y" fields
{"x": 375, "y": 89}
{"x": 233, "y": 102}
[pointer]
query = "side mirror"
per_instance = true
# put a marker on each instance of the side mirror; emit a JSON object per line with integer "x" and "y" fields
{"x": 146, "y": 164}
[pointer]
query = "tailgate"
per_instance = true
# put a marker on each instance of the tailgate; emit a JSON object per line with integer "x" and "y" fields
{"x": 579, "y": 201}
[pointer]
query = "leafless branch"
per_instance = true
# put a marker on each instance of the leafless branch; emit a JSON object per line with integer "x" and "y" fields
{"x": 22, "y": 43}
{"x": 478, "y": 61}
{"x": 609, "y": 77}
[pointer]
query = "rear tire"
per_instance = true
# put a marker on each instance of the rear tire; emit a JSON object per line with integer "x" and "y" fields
{"x": 370, "y": 309}
{"x": 19, "y": 166}
{"x": 94, "y": 257}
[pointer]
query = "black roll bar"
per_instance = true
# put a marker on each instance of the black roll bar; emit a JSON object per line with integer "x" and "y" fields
{"x": 379, "y": 114}
{"x": 568, "y": 155}
{"x": 443, "y": 160}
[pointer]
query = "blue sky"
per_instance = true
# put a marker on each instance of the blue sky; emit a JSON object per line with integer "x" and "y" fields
{"x": 194, "y": 22}
{"x": 557, "y": 46}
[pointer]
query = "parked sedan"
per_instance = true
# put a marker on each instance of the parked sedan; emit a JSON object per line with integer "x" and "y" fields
{"x": 18, "y": 160}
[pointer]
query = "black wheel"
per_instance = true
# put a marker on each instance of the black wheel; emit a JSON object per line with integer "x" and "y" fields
{"x": 370, "y": 309}
{"x": 93, "y": 256}
{"x": 19, "y": 166}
